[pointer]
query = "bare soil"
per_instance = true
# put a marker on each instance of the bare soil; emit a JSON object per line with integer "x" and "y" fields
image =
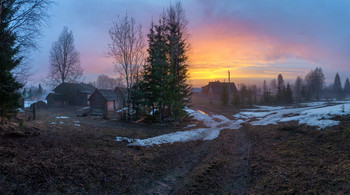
{"x": 64, "y": 158}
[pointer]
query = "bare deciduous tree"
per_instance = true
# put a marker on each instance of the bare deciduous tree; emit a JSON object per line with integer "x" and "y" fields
{"x": 127, "y": 48}
{"x": 28, "y": 16}
{"x": 64, "y": 60}
{"x": 105, "y": 82}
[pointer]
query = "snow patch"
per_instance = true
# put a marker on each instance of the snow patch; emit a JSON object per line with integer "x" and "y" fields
{"x": 190, "y": 125}
{"x": 215, "y": 124}
{"x": 317, "y": 114}
{"x": 62, "y": 117}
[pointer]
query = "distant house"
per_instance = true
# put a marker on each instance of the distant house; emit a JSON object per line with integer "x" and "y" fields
{"x": 214, "y": 89}
{"x": 103, "y": 101}
{"x": 73, "y": 94}
{"x": 196, "y": 91}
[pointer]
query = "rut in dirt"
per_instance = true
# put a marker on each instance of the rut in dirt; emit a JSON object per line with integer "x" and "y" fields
{"x": 217, "y": 166}
{"x": 177, "y": 178}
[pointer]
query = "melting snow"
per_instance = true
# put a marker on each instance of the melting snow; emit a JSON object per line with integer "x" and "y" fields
{"x": 190, "y": 125}
{"x": 62, "y": 117}
{"x": 214, "y": 124}
{"x": 317, "y": 114}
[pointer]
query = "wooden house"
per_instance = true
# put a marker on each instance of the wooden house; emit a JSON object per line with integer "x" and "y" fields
{"x": 103, "y": 102}
{"x": 214, "y": 89}
{"x": 72, "y": 94}
{"x": 196, "y": 91}
{"x": 54, "y": 100}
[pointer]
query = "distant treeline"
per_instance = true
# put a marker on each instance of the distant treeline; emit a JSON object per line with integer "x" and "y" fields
{"x": 312, "y": 87}
{"x": 33, "y": 92}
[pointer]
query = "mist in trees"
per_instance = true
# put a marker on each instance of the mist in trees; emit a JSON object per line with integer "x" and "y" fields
{"x": 105, "y": 82}
{"x": 64, "y": 60}
{"x": 34, "y": 93}
{"x": 298, "y": 89}
{"x": 314, "y": 81}
{"x": 273, "y": 86}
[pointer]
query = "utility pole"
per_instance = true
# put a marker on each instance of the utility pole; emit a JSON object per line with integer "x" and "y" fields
{"x": 229, "y": 90}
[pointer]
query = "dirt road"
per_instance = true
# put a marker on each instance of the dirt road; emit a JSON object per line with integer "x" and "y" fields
{"x": 64, "y": 158}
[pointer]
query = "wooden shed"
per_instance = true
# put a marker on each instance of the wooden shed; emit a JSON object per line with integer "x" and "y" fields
{"x": 73, "y": 94}
{"x": 54, "y": 100}
{"x": 103, "y": 102}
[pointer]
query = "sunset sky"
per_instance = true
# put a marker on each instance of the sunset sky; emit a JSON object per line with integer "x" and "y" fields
{"x": 254, "y": 39}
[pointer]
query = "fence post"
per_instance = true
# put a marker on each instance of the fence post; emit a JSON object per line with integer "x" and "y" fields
{"x": 34, "y": 111}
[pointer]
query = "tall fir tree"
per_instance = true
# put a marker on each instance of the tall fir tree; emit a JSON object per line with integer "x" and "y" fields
{"x": 156, "y": 78}
{"x": 9, "y": 60}
{"x": 178, "y": 47}
{"x": 288, "y": 95}
{"x": 347, "y": 88}
{"x": 337, "y": 89}
{"x": 297, "y": 89}
{"x": 30, "y": 93}
{"x": 40, "y": 90}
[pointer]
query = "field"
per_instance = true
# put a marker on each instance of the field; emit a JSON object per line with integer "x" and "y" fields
{"x": 62, "y": 153}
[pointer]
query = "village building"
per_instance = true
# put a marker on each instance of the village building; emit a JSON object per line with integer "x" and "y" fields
{"x": 196, "y": 91}
{"x": 72, "y": 94}
{"x": 54, "y": 100}
{"x": 214, "y": 89}
{"x": 104, "y": 102}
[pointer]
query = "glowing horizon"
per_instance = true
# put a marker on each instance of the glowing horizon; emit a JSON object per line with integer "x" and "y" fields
{"x": 253, "y": 40}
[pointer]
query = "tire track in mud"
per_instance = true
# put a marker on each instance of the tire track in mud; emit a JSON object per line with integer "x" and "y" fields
{"x": 178, "y": 177}
{"x": 217, "y": 166}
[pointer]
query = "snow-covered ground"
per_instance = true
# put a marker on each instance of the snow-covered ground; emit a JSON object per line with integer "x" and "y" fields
{"x": 317, "y": 114}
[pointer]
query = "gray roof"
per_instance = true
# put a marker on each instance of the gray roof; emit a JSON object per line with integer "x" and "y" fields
{"x": 54, "y": 95}
{"x": 82, "y": 87}
{"x": 108, "y": 94}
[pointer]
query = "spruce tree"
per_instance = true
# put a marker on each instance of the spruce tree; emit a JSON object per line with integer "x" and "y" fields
{"x": 288, "y": 95}
{"x": 156, "y": 76}
{"x": 40, "y": 90}
{"x": 24, "y": 93}
{"x": 347, "y": 88}
{"x": 337, "y": 89}
{"x": 9, "y": 60}
{"x": 30, "y": 93}
{"x": 178, "y": 46}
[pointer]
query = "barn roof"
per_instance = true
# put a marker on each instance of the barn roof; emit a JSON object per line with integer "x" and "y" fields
{"x": 54, "y": 96}
{"x": 121, "y": 92}
{"x": 108, "y": 94}
{"x": 81, "y": 87}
